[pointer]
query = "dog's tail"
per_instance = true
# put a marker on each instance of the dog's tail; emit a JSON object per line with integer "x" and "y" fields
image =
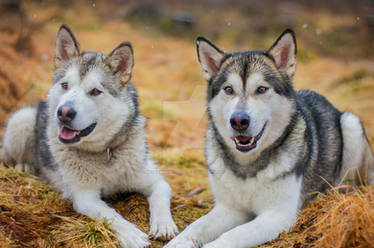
{"x": 358, "y": 158}
{"x": 18, "y": 141}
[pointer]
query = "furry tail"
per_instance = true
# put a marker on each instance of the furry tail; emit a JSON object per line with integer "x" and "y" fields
{"x": 19, "y": 138}
{"x": 358, "y": 158}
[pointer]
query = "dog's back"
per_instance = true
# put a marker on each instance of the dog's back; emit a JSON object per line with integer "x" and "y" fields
{"x": 334, "y": 155}
{"x": 323, "y": 136}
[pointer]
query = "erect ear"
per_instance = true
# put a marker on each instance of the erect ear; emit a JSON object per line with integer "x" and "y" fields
{"x": 210, "y": 57}
{"x": 284, "y": 52}
{"x": 121, "y": 61}
{"x": 67, "y": 46}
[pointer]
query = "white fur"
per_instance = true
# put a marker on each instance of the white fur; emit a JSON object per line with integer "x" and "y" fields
{"x": 133, "y": 171}
{"x": 109, "y": 112}
{"x": 269, "y": 107}
{"x": 19, "y": 140}
{"x": 357, "y": 166}
{"x": 247, "y": 212}
{"x": 230, "y": 223}
{"x": 251, "y": 211}
{"x": 84, "y": 173}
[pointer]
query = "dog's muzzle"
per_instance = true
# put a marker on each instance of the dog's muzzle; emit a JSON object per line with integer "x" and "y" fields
{"x": 70, "y": 136}
{"x": 247, "y": 143}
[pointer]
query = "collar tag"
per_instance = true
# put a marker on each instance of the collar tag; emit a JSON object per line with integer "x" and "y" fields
{"x": 109, "y": 152}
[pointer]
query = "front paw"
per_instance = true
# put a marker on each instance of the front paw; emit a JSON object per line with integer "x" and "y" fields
{"x": 25, "y": 168}
{"x": 132, "y": 238}
{"x": 180, "y": 242}
{"x": 164, "y": 229}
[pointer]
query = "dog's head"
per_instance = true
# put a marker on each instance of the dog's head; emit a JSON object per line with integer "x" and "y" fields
{"x": 91, "y": 98}
{"x": 250, "y": 94}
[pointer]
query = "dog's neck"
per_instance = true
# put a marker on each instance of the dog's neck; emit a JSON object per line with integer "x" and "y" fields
{"x": 126, "y": 131}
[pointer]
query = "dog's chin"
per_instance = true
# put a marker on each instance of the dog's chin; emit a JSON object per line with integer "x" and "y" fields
{"x": 246, "y": 144}
{"x": 70, "y": 136}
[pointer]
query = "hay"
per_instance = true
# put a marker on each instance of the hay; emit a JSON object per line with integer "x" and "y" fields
{"x": 334, "y": 220}
{"x": 343, "y": 220}
{"x": 34, "y": 215}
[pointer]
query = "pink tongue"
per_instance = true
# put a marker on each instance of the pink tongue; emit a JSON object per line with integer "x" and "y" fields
{"x": 243, "y": 138}
{"x": 67, "y": 133}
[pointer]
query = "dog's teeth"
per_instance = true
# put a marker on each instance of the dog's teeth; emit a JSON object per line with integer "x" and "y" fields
{"x": 252, "y": 140}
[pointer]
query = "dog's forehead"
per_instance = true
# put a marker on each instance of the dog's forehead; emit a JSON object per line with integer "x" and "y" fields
{"x": 69, "y": 73}
{"x": 255, "y": 79}
{"x": 246, "y": 63}
{"x": 77, "y": 69}
{"x": 94, "y": 75}
{"x": 253, "y": 68}
{"x": 90, "y": 61}
{"x": 234, "y": 79}
{"x": 248, "y": 68}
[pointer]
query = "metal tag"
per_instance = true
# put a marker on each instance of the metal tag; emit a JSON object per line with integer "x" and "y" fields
{"x": 109, "y": 153}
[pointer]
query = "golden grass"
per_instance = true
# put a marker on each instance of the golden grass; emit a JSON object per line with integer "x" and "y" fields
{"x": 34, "y": 215}
{"x": 334, "y": 220}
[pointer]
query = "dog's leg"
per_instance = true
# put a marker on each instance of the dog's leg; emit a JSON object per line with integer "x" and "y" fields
{"x": 162, "y": 224}
{"x": 208, "y": 227}
{"x": 27, "y": 168}
{"x": 263, "y": 228}
{"x": 88, "y": 202}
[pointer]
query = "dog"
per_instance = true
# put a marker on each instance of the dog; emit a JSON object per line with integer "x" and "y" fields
{"x": 268, "y": 146}
{"x": 88, "y": 139}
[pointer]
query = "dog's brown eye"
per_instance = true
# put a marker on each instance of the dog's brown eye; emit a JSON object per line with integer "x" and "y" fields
{"x": 64, "y": 85}
{"x": 261, "y": 90}
{"x": 95, "y": 92}
{"x": 228, "y": 90}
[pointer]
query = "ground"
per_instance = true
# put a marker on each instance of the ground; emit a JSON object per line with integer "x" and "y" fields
{"x": 335, "y": 58}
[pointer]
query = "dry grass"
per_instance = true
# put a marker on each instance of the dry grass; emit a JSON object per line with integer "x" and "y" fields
{"x": 34, "y": 215}
{"x": 334, "y": 220}
{"x": 172, "y": 95}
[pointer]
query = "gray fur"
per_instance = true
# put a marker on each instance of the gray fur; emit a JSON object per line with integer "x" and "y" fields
{"x": 321, "y": 153}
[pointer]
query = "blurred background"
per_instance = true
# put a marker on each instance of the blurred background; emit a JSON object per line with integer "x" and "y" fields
{"x": 335, "y": 57}
{"x": 335, "y": 51}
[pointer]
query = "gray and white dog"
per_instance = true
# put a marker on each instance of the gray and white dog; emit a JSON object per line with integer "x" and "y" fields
{"x": 268, "y": 146}
{"x": 88, "y": 140}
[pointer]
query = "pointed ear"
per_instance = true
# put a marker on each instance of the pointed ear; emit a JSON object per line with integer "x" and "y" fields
{"x": 284, "y": 52}
{"x": 67, "y": 46}
{"x": 121, "y": 61}
{"x": 210, "y": 57}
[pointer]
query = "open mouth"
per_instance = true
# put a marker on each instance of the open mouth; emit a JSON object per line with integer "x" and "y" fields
{"x": 70, "y": 136}
{"x": 247, "y": 143}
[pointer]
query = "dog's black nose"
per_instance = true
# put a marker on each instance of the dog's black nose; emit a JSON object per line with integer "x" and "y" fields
{"x": 239, "y": 121}
{"x": 66, "y": 113}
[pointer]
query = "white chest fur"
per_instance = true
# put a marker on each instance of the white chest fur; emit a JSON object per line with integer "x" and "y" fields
{"x": 256, "y": 194}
